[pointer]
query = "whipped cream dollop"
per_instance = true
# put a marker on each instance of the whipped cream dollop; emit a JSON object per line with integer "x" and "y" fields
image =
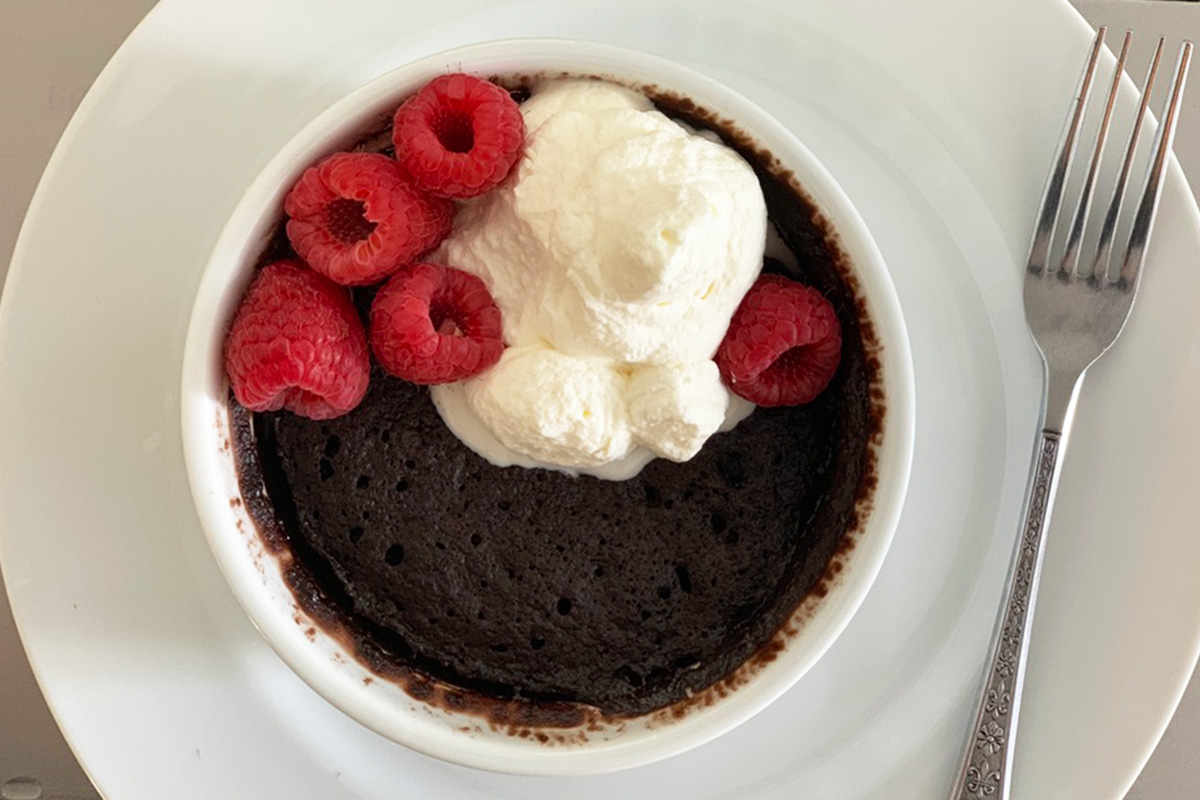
{"x": 617, "y": 253}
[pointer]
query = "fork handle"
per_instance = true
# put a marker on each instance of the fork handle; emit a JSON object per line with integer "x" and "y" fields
{"x": 986, "y": 772}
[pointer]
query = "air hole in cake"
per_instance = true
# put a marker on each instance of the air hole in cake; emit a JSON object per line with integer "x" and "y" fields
{"x": 686, "y": 662}
{"x": 394, "y": 555}
{"x": 564, "y": 606}
{"x": 653, "y": 497}
{"x": 476, "y": 540}
{"x": 733, "y": 537}
{"x": 363, "y": 482}
{"x": 743, "y": 613}
{"x": 440, "y": 545}
{"x": 732, "y": 468}
{"x": 664, "y": 592}
{"x": 326, "y": 469}
{"x": 366, "y": 515}
{"x": 718, "y": 522}
{"x": 410, "y": 464}
{"x": 356, "y": 534}
{"x": 402, "y": 485}
{"x": 536, "y": 643}
{"x": 685, "y": 579}
{"x": 631, "y": 676}
{"x": 598, "y": 572}
{"x": 503, "y": 505}
{"x": 385, "y": 436}
{"x": 499, "y": 648}
{"x": 332, "y": 445}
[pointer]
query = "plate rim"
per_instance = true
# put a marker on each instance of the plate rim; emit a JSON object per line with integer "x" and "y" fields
{"x": 103, "y": 84}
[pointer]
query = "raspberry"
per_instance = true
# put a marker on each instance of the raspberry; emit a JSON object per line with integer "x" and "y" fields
{"x": 297, "y": 343}
{"x": 459, "y": 135}
{"x": 783, "y": 344}
{"x": 356, "y": 217}
{"x": 433, "y": 324}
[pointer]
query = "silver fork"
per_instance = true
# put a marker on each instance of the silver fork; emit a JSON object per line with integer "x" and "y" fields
{"x": 1075, "y": 310}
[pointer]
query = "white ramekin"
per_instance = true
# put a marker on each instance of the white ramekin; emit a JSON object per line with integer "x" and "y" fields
{"x": 254, "y": 574}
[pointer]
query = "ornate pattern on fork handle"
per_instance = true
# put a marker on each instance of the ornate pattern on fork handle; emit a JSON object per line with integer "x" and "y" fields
{"x": 986, "y": 769}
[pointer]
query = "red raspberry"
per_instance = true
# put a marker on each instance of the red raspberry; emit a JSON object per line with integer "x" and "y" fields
{"x": 297, "y": 343}
{"x": 356, "y": 217}
{"x": 433, "y": 324}
{"x": 459, "y": 135}
{"x": 783, "y": 344}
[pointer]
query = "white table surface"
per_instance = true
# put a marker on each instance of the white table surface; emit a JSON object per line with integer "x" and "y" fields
{"x": 52, "y": 50}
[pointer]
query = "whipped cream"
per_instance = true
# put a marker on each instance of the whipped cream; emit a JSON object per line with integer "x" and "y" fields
{"x": 617, "y": 253}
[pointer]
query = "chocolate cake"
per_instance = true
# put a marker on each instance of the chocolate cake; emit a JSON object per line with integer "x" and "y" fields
{"x": 536, "y": 589}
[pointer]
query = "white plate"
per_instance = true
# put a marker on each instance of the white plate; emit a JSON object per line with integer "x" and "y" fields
{"x": 937, "y": 117}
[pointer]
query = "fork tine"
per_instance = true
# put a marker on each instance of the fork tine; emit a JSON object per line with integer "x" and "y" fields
{"x": 1100, "y": 264}
{"x": 1039, "y": 249}
{"x": 1135, "y": 253}
{"x": 1070, "y": 258}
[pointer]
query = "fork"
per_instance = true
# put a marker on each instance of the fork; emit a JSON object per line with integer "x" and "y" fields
{"x": 1075, "y": 310}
